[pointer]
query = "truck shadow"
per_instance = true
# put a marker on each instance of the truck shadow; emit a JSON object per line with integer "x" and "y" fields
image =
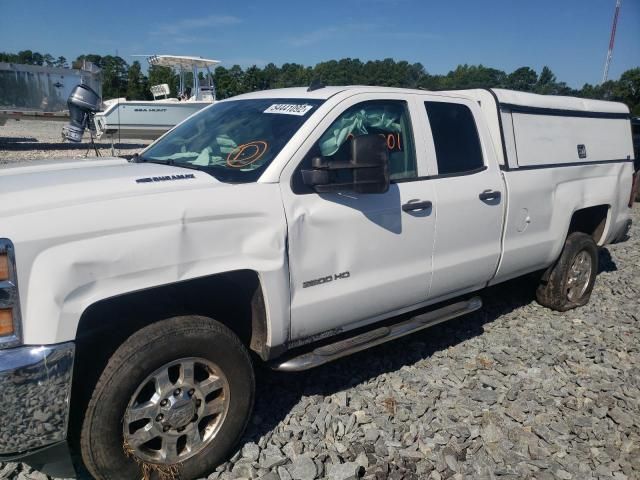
{"x": 29, "y": 145}
{"x": 4, "y": 140}
{"x": 277, "y": 393}
{"x": 605, "y": 262}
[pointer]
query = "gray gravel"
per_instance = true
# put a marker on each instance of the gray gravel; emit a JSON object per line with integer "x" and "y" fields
{"x": 29, "y": 140}
{"x": 514, "y": 391}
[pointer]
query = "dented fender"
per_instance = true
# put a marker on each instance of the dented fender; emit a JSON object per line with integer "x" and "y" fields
{"x": 93, "y": 247}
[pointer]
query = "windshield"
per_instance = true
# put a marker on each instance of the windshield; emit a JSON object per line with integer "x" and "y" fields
{"x": 234, "y": 140}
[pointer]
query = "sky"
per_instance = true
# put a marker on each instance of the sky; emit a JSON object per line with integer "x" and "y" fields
{"x": 570, "y": 36}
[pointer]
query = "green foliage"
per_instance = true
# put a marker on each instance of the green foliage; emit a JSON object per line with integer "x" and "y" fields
{"x": 159, "y": 75}
{"x": 114, "y": 76}
{"x": 121, "y": 79}
{"x": 627, "y": 89}
{"x": 523, "y": 79}
{"x": 61, "y": 62}
{"x": 136, "y": 83}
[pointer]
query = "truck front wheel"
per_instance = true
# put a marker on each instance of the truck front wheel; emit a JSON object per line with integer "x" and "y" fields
{"x": 568, "y": 283}
{"x": 172, "y": 401}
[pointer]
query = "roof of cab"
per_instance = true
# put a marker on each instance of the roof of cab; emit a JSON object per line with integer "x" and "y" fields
{"x": 511, "y": 97}
{"x": 295, "y": 92}
{"x": 322, "y": 93}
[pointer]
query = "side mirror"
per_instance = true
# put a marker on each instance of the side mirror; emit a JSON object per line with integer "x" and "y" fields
{"x": 369, "y": 164}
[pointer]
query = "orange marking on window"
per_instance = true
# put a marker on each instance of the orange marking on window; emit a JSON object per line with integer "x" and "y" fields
{"x": 242, "y": 155}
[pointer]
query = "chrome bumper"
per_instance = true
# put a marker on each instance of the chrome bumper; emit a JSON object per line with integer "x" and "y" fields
{"x": 35, "y": 389}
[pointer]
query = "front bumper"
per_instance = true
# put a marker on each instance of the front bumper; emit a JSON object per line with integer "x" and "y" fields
{"x": 35, "y": 390}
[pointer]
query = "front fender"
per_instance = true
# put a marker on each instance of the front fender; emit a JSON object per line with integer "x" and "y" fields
{"x": 75, "y": 256}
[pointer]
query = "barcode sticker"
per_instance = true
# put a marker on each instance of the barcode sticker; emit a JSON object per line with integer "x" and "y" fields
{"x": 289, "y": 109}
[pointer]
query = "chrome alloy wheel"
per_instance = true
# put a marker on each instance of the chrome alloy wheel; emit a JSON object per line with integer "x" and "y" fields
{"x": 579, "y": 276}
{"x": 176, "y": 411}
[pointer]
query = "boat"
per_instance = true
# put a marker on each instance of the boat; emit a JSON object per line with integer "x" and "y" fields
{"x": 149, "y": 119}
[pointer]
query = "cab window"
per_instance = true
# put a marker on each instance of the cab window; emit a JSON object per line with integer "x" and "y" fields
{"x": 388, "y": 118}
{"x": 455, "y": 137}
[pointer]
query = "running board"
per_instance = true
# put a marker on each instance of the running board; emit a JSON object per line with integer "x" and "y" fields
{"x": 342, "y": 348}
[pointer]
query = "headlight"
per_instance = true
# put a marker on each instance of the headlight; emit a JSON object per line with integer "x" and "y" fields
{"x": 10, "y": 322}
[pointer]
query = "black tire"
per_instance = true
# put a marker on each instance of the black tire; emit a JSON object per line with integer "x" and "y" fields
{"x": 101, "y": 440}
{"x": 553, "y": 289}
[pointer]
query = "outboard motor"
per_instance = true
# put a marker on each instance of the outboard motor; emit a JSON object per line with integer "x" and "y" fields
{"x": 83, "y": 103}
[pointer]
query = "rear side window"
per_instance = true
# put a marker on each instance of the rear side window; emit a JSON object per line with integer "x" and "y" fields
{"x": 455, "y": 137}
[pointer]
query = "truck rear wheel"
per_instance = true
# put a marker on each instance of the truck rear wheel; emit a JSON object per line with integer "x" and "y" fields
{"x": 172, "y": 401}
{"x": 568, "y": 283}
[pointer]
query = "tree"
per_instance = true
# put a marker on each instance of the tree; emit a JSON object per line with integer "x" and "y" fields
{"x": 294, "y": 75}
{"x": 627, "y": 89}
{"x": 253, "y": 80}
{"x": 114, "y": 73}
{"x": 159, "y": 75}
{"x": 120, "y": 79}
{"x": 222, "y": 81}
{"x": 61, "y": 62}
{"x": 270, "y": 74}
{"x": 474, "y": 76}
{"x": 546, "y": 82}
{"x": 95, "y": 59}
{"x": 136, "y": 82}
{"x": 523, "y": 79}
{"x": 25, "y": 57}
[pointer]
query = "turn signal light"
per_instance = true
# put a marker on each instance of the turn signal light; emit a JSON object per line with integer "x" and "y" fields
{"x": 6, "y": 322}
{"x": 4, "y": 267}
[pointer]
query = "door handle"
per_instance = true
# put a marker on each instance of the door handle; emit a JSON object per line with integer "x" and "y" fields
{"x": 490, "y": 195}
{"x": 416, "y": 206}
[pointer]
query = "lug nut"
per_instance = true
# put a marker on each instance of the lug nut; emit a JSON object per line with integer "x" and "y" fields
{"x": 159, "y": 418}
{"x": 191, "y": 392}
{"x": 166, "y": 428}
{"x": 195, "y": 418}
{"x": 177, "y": 392}
{"x": 181, "y": 429}
{"x": 164, "y": 403}
{"x": 198, "y": 403}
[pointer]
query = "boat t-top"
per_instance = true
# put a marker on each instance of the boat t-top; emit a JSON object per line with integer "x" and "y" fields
{"x": 148, "y": 119}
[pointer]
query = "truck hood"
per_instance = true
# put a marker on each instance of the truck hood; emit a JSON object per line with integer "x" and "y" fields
{"x": 50, "y": 185}
{"x": 91, "y": 230}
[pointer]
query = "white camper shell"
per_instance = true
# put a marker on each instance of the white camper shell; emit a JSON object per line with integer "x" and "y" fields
{"x": 545, "y": 130}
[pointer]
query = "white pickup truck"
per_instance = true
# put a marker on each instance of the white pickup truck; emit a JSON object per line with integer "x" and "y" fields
{"x": 290, "y": 227}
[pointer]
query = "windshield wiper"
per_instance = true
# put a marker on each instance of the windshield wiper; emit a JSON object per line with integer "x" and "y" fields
{"x": 140, "y": 159}
{"x": 137, "y": 158}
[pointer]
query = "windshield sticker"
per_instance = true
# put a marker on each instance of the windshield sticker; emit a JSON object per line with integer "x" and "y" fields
{"x": 246, "y": 154}
{"x": 289, "y": 109}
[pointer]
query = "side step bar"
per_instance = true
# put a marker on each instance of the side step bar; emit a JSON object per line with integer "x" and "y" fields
{"x": 342, "y": 348}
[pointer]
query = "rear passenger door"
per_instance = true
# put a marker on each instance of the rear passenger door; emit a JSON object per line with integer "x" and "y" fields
{"x": 470, "y": 197}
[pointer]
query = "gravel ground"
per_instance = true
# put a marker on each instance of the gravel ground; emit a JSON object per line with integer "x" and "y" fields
{"x": 29, "y": 140}
{"x": 514, "y": 391}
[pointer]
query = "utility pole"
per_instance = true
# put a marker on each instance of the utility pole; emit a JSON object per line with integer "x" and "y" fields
{"x": 605, "y": 75}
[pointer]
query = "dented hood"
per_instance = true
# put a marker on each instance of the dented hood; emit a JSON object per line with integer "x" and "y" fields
{"x": 91, "y": 230}
{"x": 51, "y": 185}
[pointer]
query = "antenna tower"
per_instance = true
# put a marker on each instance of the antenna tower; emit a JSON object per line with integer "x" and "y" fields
{"x": 605, "y": 75}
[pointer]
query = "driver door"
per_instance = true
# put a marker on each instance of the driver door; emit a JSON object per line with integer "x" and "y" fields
{"x": 356, "y": 258}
